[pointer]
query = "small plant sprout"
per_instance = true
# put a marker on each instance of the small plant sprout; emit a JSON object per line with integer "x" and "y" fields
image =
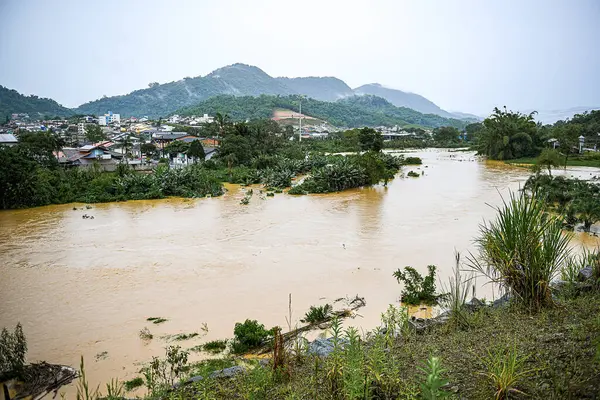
{"x": 431, "y": 389}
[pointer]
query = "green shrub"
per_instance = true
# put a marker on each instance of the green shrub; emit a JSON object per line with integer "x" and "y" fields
{"x": 417, "y": 289}
{"x": 215, "y": 346}
{"x": 134, "y": 383}
{"x": 13, "y": 348}
{"x": 317, "y": 314}
{"x": 249, "y": 335}
{"x": 413, "y": 174}
{"x": 413, "y": 161}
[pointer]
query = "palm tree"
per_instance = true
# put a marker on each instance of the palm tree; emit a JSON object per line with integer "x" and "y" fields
{"x": 222, "y": 121}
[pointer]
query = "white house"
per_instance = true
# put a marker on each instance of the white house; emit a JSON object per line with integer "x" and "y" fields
{"x": 109, "y": 118}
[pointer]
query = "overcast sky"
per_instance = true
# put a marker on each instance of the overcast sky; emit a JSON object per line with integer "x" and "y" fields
{"x": 464, "y": 55}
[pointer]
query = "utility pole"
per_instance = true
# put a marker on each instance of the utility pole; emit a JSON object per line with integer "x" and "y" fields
{"x": 300, "y": 121}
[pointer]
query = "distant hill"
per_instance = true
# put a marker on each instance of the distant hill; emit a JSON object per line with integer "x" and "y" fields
{"x": 319, "y": 88}
{"x": 244, "y": 80}
{"x": 13, "y": 102}
{"x": 355, "y": 111}
{"x": 403, "y": 99}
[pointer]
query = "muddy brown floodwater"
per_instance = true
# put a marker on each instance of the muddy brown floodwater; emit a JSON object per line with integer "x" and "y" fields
{"x": 86, "y": 286}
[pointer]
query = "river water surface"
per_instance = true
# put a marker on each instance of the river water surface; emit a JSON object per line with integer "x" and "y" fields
{"x": 86, "y": 286}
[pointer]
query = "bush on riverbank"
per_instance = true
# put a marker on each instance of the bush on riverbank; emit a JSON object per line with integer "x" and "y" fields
{"x": 576, "y": 201}
{"x": 345, "y": 172}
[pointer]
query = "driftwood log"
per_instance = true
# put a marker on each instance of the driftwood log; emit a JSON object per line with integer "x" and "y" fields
{"x": 348, "y": 311}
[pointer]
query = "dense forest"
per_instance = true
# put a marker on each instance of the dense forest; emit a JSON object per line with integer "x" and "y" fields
{"x": 355, "y": 111}
{"x": 508, "y": 135}
{"x": 12, "y": 102}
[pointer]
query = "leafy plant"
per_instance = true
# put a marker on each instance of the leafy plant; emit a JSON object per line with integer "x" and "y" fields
{"x": 134, "y": 383}
{"x": 413, "y": 174}
{"x": 455, "y": 295}
{"x": 249, "y": 335}
{"x": 215, "y": 346}
{"x": 83, "y": 387}
{"x": 522, "y": 250}
{"x": 114, "y": 390}
{"x": 145, "y": 334}
{"x": 417, "y": 289}
{"x": 431, "y": 389}
{"x": 317, "y": 314}
{"x": 505, "y": 368}
{"x": 13, "y": 348}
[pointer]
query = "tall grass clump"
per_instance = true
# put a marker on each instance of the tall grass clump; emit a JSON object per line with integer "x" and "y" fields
{"x": 522, "y": 250}
{"x": 456, "y": 294}
{"x": 505, "y": 369}
{"x": 13, "y": 348}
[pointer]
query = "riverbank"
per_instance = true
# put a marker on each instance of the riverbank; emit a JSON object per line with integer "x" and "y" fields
{"x": 557, "y": 348}
{"x": 572, "y": 162}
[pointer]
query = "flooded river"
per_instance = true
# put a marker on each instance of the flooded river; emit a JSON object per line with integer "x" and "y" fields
{"x": 86, "y": 286}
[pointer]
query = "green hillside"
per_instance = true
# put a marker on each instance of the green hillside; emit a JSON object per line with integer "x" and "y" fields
{"x": 12, "y": 102}
{"x": 357, "y": 111}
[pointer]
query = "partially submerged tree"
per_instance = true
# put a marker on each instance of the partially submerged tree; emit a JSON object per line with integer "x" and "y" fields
{"x": 13, "y": 347}
{"x": 548, "y": 158}
{"x": 507, "y": 135}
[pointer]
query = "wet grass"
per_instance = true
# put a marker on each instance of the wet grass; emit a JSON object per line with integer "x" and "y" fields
{"x": 551, "y": 354}
{"x": 134, "y": 383}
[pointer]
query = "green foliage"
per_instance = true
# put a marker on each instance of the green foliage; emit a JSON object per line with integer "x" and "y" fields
{"x": 145, "y": 334}
{"x": 505, "y": 368}
{"x": 84, "y": 392}
{"x": 548, "y": 158}
{"x": 446, "y": 135}
{"x": 176, "y": 147}
{"x": 249, "y": 335}
{"x": 413, "y": 174}
{"x": 455, "y": 296}
{"x": 431, "y": 389}
{"x": 575, "y": 200}
{"x": 13, "y": 348}
{"x": 196, "y": 151}
{"x": 12, "y": 102}
{"x": 161, "y": 374}
{"x": 317, "y": 314}
{"x": 94, "y": 133}
{"x": 134, "y": 383}
{"x": 370, "y": 140}
{"x": 507, "y": 135}
{"x": 413, "y": 161}
{"x": 522, "y": 250}
{"x": 417, "y": 289}
{"x": 345, "y": 172}
{"x": 215, "y": 346}
{"x": 355, "y": 111}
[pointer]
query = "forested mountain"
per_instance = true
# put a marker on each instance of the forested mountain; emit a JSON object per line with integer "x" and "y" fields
{"x": 13, "y": 102}
{"x": 402, "y": 99}
{"x": 243, "y": 80}
{"x": 319, "y": 88}
{"x": 355, "y": 111}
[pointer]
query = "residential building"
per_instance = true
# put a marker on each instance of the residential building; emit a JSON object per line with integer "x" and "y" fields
{"x": 8, "y": 139}
{"x": 109, "y": 118}
{"x": 88, "y": 155}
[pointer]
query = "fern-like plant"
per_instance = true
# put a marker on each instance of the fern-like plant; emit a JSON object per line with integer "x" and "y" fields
{"x": 417, "y": 289}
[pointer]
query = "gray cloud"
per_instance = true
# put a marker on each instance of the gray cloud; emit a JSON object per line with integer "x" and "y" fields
{"x": 464, "y": 55}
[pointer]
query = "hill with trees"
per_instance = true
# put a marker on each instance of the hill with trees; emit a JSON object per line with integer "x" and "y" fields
{"x": 356, "y": 111}
{"x": 13, "y": 102}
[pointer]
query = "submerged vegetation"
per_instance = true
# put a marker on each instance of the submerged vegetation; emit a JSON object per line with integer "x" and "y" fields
{"x": 417, "y": 289}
